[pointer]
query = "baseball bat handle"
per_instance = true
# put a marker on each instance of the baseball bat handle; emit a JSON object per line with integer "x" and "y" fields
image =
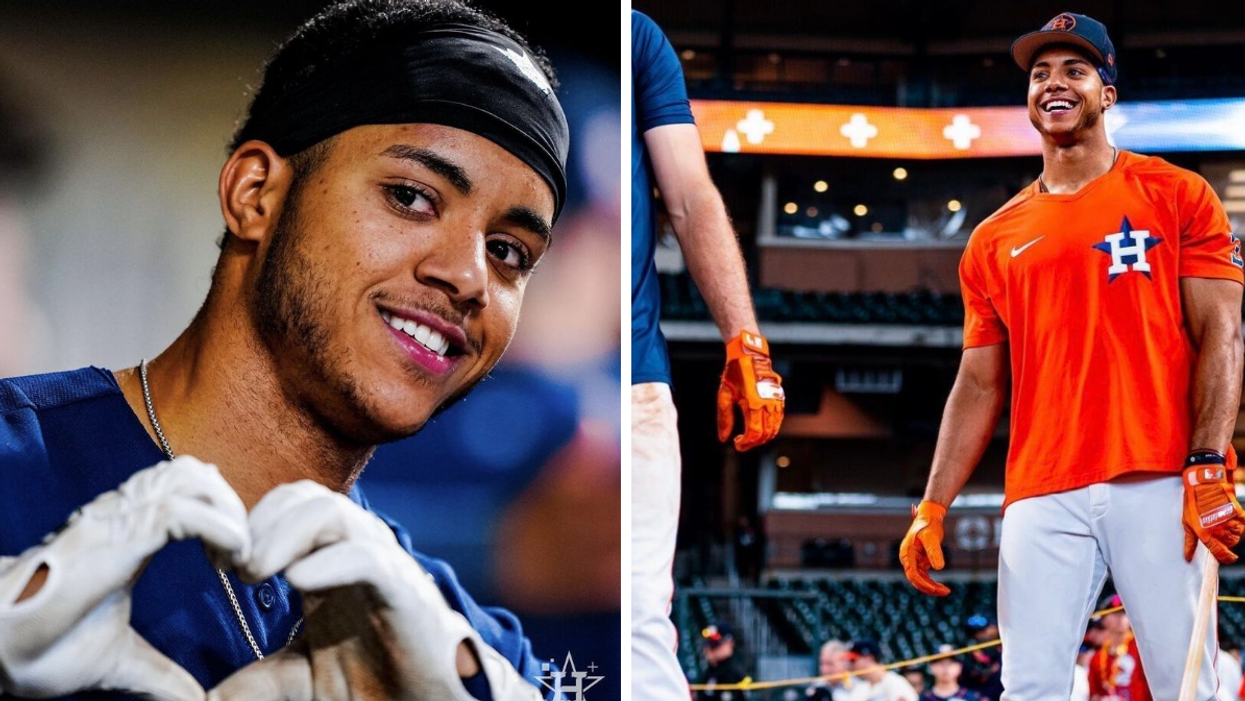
{"x": 1197, "y": 644}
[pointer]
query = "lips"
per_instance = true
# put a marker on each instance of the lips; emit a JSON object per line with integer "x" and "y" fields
{"x": 1058, "y": 106}
{"x": 426, "y": 339}
{"x": 422, "y": 333}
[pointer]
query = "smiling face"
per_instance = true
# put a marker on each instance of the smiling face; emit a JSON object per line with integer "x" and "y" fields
{"x": 393, "y": 279}
{"x": 1066, "y": 95}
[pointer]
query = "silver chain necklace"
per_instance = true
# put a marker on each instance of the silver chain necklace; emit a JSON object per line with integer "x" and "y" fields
{"x": 224, "y": 580}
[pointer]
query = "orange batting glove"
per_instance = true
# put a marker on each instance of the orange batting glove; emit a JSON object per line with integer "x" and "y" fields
{"x": 922, "y": 547}
{"x": 1211, "y": 512}
{"x": 749, "y": 380}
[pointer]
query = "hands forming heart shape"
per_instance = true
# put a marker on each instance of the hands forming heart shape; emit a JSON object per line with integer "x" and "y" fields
{"x": 376, "y": 626}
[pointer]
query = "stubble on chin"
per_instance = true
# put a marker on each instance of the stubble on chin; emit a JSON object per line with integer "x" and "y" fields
{"x": 291, "y": 310}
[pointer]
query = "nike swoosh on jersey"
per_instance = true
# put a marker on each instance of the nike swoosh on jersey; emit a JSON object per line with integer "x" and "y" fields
{"x": 1018, "y": 251}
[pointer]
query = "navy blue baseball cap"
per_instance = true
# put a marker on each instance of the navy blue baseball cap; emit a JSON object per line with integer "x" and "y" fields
{"x": 863, "y": 648}
{"x": 1084, "y": 32}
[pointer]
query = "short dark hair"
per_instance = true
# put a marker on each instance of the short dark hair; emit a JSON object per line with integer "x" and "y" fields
{"x": 341, "y": 29}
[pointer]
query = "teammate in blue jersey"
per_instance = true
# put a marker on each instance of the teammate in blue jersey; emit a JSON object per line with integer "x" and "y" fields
{"x": 394, "y": 183}
{"x": 666, "y": 152}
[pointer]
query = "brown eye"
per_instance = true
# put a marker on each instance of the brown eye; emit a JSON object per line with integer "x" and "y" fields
{"x": 410, "y": 198}
{"x": 510, "y": 254}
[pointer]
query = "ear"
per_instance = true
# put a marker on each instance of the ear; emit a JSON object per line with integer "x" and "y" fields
{"x": 253, "y": 186}
{"x": 1108, "y": 96}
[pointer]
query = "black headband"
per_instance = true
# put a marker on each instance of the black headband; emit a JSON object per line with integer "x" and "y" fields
{"x": 454, "y": 75}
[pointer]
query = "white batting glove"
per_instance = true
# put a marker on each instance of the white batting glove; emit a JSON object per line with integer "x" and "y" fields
{"x": 376, "y": 626}
{"x": 74, "y": 633}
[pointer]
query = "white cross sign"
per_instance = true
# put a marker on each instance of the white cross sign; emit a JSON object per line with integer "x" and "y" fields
{"x": 961, "y": 132}
{"x": 858, "y": 130}
{"x": 755, "y": 126}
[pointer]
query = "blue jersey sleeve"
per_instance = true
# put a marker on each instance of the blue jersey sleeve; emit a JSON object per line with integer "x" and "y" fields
{"x": 658, "y": 89}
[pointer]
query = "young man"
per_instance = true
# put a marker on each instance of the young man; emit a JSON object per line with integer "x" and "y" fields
{"x": 666, "y": 153}
{"x": 1113, "y": 287}
{"x": 1115, "y": 670}
{"x": 873, "y": 682}
{"x": 386, "y": 198}
{"x": 946, "y": 673}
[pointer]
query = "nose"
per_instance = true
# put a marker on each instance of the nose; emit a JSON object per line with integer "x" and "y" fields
{"x": 1055, "y": 82}
{"x": 457, "y": 264}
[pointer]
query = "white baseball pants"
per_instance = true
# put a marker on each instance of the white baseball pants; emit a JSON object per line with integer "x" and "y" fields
{"x": 655, "y": 466}
{"x": 1054, "y": 556}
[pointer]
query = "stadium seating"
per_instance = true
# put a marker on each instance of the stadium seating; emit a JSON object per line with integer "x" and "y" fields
{"x": 905, "y": 623}
{"x": 682, "y": 301}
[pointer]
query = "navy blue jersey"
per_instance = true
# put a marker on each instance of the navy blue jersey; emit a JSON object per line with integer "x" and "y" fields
{"x": 67, "y": 437}
{"x": 658, "y": 98}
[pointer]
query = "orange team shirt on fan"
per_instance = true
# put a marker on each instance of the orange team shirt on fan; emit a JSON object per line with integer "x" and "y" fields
{"x": 1115, "y": 673}
{"x": 1085, "y": 288}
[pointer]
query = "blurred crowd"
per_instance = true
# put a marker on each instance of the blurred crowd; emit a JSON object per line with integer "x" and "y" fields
{"x": 1108, "y": 667}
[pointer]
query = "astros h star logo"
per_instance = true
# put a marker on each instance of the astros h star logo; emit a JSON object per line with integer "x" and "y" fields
{"x": 1127, "y": 248}
{"x": 1062, "y": 23}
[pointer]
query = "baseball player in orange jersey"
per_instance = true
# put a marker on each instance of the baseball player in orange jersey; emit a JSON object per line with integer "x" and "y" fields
{"x": 1109, "y": 293}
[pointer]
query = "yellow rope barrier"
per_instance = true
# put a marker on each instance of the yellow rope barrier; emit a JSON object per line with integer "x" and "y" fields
{"x": 750, "y": 685}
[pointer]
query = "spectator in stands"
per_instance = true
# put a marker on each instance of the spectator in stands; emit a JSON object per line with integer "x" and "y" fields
{"x": 719, "y": 651}
{"x": 1080, "y": 679}
{"x": 915, "y": 677}
{"x": 946, "y": 672}
{"x": 1095, "y": 633}
{"x": 877, "y": 684}
{"x": 1115, "y": 672}
{"x": 1228, "y": 668}
{"x": 983, "y": 668}
{"x": 831, "y": 662}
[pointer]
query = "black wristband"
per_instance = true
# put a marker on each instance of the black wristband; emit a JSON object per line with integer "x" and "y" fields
{"x": 1205, "y": 456}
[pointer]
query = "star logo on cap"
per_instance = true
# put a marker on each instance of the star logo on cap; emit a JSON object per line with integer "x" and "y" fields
{"x": 529, "y": 70}
{"x": 1062, "y": 23}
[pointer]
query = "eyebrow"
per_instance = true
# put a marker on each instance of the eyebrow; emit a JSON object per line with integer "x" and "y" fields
{"x": 527, "y": 218}
{"x": 435, "y": 162}
{"x": 1066, "y": 62}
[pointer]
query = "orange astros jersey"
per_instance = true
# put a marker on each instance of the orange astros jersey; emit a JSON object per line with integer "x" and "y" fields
{"x": 1086, "y": 290}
